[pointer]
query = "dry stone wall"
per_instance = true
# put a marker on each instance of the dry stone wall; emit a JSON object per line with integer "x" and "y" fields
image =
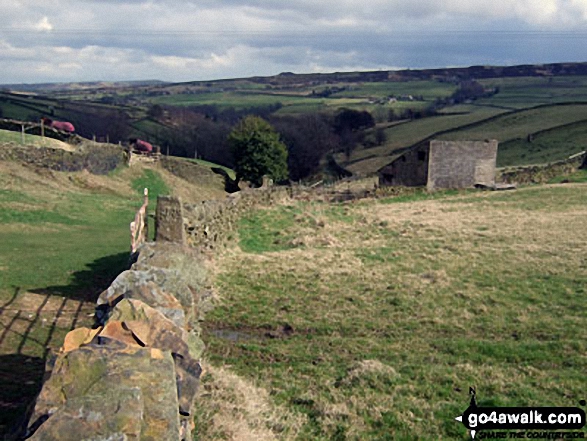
{"x": 210, "y": 223}
{"x": 100, "y": 159}
{"x": 539, "y": 174}
{"x": 135, "y": 375}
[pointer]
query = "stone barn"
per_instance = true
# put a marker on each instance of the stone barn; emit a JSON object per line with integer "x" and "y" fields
{"x": 443, "y": 164}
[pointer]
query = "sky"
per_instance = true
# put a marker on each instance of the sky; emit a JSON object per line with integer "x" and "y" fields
{"x": 180, "y": 40}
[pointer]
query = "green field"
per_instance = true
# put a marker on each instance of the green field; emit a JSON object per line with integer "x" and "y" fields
{"x": 511, "y": 129}
{"x": 372, "y": 320}
{"x": 146, "y": 128}
{"x": 16, "y": 137}
{"x": 298, "y": 100}
{"x": 59, "y": 248}
{"x": 234, "y": 99}
{"x": 429, "y": 90}
{"x": 229, "y": 171}
{"x": 521, "y": 94}
{"x": 526, "y": 92}
{"x": 546, "y": 146}
{"x": 521, "y": 124}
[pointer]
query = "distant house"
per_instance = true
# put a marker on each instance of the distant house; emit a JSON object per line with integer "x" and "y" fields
{"x": 444, "y": 164}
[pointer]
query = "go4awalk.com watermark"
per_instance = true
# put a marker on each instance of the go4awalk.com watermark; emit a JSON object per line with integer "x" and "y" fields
{"x": 523, "y": 422}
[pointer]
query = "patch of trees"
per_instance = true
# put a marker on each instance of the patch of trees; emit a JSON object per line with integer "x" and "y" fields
{"x": 470, "y": 91}
{"x": 326, "y": 92}
{"x": 308, "y": 139}
{"x": 113, "y": 124}
{"x": 349, "y": 125}
{"x": 353, "y": 120}
{"x": 257, "y": 151}
{"x": 193, "y": 135}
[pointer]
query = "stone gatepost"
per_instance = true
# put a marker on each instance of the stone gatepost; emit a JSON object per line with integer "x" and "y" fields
{"x": 169, "y": 220}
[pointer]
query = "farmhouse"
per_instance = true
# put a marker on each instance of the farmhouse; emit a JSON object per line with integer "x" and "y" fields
{"x": 444, "y": 164}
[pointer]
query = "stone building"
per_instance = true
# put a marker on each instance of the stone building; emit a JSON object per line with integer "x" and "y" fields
{"x": 444, "y": 164}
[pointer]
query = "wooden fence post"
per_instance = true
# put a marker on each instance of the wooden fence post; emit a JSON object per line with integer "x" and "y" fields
{"x": 139, "y": 227}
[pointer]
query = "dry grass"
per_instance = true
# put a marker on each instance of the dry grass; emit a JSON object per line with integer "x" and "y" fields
{"x": 235, "y": 409}
{"x": 397, "y": 308}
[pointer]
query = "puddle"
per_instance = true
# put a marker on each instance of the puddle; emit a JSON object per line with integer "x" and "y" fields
{"x": 230, "y": 334}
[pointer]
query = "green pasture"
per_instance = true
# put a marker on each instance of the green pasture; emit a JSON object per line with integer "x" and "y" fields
{"x": 10, "y": 136}
{"x": 429, "y": 90}
{"x": 208, "y": 164}
{"x": 545, "y": 146}
{"x": 521, "y": 124}
{"x": 403, "y": 135}
{"x": 522, "y": 92}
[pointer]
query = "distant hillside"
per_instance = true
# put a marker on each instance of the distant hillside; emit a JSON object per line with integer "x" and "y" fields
{"x": 88, "y": 85}
{"x": 192, "y": 119}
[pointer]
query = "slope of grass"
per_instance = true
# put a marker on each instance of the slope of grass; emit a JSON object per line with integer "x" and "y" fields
{"x": 209, "y": 164}
{"x": 152, "y": 180}
{"x": 16, "y": 137}
{"x": 59, "y": 247}
{"x": 546, "y": 146}
{"x": 429, "y": 90}
{"x": 523, "y": 92}
{"x": 375, "y": 324}
{"x": 404, "y": 135}
{"x": 521, "y": 124}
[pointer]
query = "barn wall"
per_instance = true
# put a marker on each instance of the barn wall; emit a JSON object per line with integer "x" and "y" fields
{"x": 461, "y": 164}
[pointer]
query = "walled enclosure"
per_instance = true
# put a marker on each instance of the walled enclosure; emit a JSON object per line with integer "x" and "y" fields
{"x": 444, "y": 164}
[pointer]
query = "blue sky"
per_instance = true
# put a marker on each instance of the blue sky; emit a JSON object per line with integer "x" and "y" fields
{"x": 92, "y": 40}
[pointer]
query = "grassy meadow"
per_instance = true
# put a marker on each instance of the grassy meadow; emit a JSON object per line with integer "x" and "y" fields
{"x": 371, "y": 320}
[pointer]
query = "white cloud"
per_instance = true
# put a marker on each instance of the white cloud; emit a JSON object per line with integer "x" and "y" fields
{"x": 44, "y": 25}
{"x": 183, "y": 39}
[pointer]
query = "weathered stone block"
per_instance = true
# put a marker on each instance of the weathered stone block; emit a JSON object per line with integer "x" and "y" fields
{"x": 169, "y": 220}
{"x": 113, "y": 415}
{"x": 142, "y": 285}
{"x": 163, "y": 289}
{"x": 141, "y": 378}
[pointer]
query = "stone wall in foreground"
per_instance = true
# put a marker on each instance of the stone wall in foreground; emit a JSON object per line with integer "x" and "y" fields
{"x": 136, "y": 374}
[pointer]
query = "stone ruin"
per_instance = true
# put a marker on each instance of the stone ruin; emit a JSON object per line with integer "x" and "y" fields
{"x": 444, "y": 164}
